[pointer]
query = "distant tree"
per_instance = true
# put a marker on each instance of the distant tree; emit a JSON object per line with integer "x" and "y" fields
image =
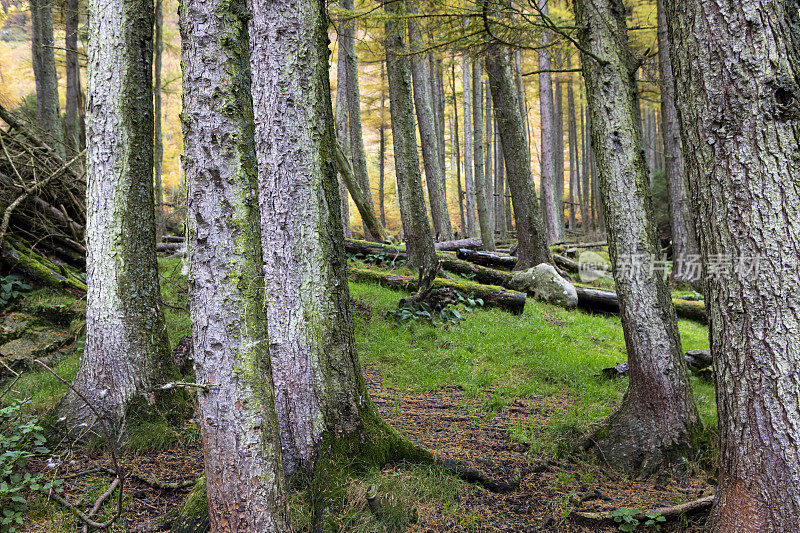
{"x": 158, "y": 141}
{"x": 735, "y": 67}
{"x": 44, "y": 72}
{"x": 480, "y": 180}
{"x": 416, "y": 230}
{"x": 547, "y": 128}
{"x": 657, "y": 417}
{"x": 241, "y": 443}
{"x": 469, "y": 169}
{"x": 74, "y": 112}
{"x": 126, "y": 351}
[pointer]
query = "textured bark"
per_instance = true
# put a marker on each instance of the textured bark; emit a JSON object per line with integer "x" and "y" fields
{"x": 319, "y": 390}
{"x": 438, "y": 88}
{"x": 657, "y": 417}
{"x": 239, "y": 426}
{"x": 558, "y": 147}
{"x": 341, "y": 125}
{"x": 488, "y": 150}
{"x": 357, "y": 155}
{"x": 684, "y": 240}
{"x": 547, "y": 176}
{"x": 499, "y": 185}
{"x": 158, "y": 141}
{"x": 424, "y": 103}
{"x": 73, "y": 72}
{"x": 455, "y": 147}
{"x": 44, "y": 72}
{"x": 531, "y": 234}
{"x": 481, "y": 196}
{"x": 416, "y": 230}
{"x": 735, "y": 69}
{"x": 575, "y": 196}
{"x": 469, "y": 177}
{"x": 126, "y": 350}
{"x": 382, "y": 150}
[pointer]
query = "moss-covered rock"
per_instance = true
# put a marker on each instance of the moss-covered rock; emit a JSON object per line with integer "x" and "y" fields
{"x": 193, "y": 517}
{"x": 21, "y": 352}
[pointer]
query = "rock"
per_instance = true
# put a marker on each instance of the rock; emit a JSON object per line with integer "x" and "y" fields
{"x": 545, "y": 284}
{"x": 14, "y": 325}
{"x": 20, "y": 352}
{"x": 621, "y": 370}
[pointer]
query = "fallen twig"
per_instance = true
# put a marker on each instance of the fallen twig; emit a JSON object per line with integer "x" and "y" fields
{"x": 675, "y": 511}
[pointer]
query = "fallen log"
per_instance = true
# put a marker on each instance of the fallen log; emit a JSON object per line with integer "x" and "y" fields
{"x": 487, "y": 259}
{"x": 492, "y": 296}
{"x": 696, "y": 360}
{"x": 173, "y": 238}
{"x": 602, "y": 301}
{"x": 675, "y": 511}
{"x": 31, "y": 265}
{"x": 169, "y": 246}
{"x": 452, "y": 246}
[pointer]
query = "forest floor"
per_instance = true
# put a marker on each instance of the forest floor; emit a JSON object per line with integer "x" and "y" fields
{"x": 509, "y": 394}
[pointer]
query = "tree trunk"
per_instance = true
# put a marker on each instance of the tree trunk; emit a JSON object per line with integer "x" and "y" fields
{"x": 456, "y": 148}
{"x": 422, "y": 79}
{"x": 735, "y": 84}
{"x": 241, "y": 441}
{"x": 158, "y": 141}
{"x": 531, "y": 235}
{"x": 73, "y": 71}
{"x": 575, "y": 196}
{"x": 499, "y": 185}
{"x": 684, "y": 241}
{"x": 481, "y": 199}
{"x": 323, "y": 408}
{"x": 341, "y": 125}
{"x": 469, "y": 183}
{"x": 382, "y": 150}
{"x": 44, "y": 72}
{"x": 126, "y": 351}
{"x": 488, "y": 146}
{"x": 417, "y": 231}
{"x": 558, "y": 147}
{"x": 655, "y": 421}
{"x": 438, "y": 78}
{"x": 547, "y": 176}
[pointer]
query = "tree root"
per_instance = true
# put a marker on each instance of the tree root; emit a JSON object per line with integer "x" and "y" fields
{"x": 178, "y": 485}
{"x": 675, "y": 511}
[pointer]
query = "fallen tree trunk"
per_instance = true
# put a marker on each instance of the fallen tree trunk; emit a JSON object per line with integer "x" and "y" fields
{"x": 492, "y": 296}
{"x": 169, "y": 246}
{"x": 602, "y": 301}
{"x": 33, "y": 266}
{"x": 452, "y": 246}
{"x": 173, "y": 238}
{"x": 676, "y": 511}
{"x": 487, "y": 259}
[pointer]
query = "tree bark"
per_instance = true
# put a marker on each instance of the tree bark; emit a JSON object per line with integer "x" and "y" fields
{"x": 44, "y": 72}
{"x": 341, "y": 124}
{"x": 684, "y": 240}
{"x": 417, "y": 231}
{"x": 241, "y": 440}
{"x": 126, "y": 351}
{"x": 547, "y": 176}
{"x": 488, "y": 146}
{"x": 73, "y": 72}
{"x": 469, "y": 177}
{"x": 158, "y": 141}
{"x": 382, "y": 150}
{"x": 735, "y": 68}
{"x": 423, "y": 80}
{"x": 657, "y": 417}
{"x": 499, "y": 185}
{"x": 456, "y": 148}
{"x": 531, "y": 235}
{"x": 481, "y": 182}
{"x": 575, "y": 196}
{"x": 323, "y": 408}
{"x": 558, "y": 146}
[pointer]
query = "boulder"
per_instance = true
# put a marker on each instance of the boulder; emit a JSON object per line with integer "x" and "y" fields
{"x": 545, "y": 284}
{"x": 14, "y": 326}
{"x": 21, "y": 352}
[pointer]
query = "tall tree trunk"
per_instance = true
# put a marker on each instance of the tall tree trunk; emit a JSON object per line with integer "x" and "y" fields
{"x": 456, "y": 148}
{"x": 558, "y": 147}
{"x": 126, "y": 351}
{"x": 417, "y": 232}
{"x": 499, "y": 185}
{"x": 324, "y": 411}
{"x": 547, "y": 175}
{"x": 158, "y": 141}
{"x": 73, "y": 72}
{"x": 684, "y": 241}
{"x": 341, "y": 125}
{"x": 523, "y": 107}
{"x": 655, "y": 421}
{"x": 241, "y": 444}
{"x": 382, "y": 150}
{"x": 469, "y": 183}
{"x": 422, "y": 79}
{"x": 737, "y": 97}
{"x": 44, "y": 72}
{"x": 575, "y": 196}
{"x": 488, "y": 145}
{"x": 481, "y": 201}
{"x": 587, "y": 216}
{"x": 533, "y": 248}
{"x": 438, "y": 78}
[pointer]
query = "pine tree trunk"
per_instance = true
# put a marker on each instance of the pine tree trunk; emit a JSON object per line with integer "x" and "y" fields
{"x": 684, "y": 240}
{"x": 488, "y": 145}
{"x": 126, "y": 351}
{"x": 341, "y": 124}
{"x": 575, "y": 196}
{"x": 558, "y": 147}
{"x": 531, "y": 235}
{"x": 423, "y": 80}
{"x": 456, "y": 149}
{"x": 239, "y": 425}
{"x": 736, "y": 85}
{"x": 547, "y": 127}
{"x": 499, "y": 185}
{"x": 322, "y": 404}
{"x": 382, "y": 150}
{"x": 417, "y": 231}
{"x": 481, "y": 200}
{"x": 358, "y": 157}
{"x": 44, "y": 71}
{"x": 158, "y": 141}
{"x": 438, "y": 77}
{"x": 657, "y": 417}
{"x": 73, "y": 73}
{"x": 469, "y": 183}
